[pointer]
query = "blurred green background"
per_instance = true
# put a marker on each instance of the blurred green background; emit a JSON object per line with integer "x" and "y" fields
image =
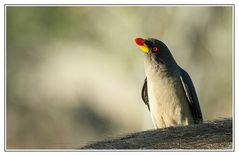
{"x": 74, "y": 74}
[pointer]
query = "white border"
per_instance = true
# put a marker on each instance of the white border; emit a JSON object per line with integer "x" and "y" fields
{"x": 119, "y": 4}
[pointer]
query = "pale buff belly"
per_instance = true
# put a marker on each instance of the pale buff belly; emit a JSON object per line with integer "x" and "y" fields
{"x": 168, "y": 103}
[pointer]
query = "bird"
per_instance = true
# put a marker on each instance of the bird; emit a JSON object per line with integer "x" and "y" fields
{"x": 168, "y": 90}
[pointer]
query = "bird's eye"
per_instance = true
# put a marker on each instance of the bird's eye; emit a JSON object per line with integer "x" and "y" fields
{"x": 155, "y": 49}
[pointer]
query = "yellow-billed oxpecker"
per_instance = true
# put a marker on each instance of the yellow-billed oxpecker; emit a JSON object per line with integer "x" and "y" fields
{"x": 168, "y": 90}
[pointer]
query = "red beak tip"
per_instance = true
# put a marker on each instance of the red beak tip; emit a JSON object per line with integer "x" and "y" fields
{"x": 139, "y": 41}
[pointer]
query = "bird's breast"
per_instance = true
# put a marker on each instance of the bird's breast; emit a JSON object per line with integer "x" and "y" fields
{"x": 167, "y": 100}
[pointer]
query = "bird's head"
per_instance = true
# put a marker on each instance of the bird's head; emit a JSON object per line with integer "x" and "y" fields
{"x": 155, "y": 50}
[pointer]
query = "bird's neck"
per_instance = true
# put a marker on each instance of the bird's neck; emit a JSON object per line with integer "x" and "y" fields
{"x": 161, "y": 66}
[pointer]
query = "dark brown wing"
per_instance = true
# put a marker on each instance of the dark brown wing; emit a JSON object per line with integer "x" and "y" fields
{"x": 191, "y": 95}
{"x": 144, "y": 94}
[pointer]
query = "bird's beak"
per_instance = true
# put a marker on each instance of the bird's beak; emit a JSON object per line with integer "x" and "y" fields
{"x": 140, "y": 42}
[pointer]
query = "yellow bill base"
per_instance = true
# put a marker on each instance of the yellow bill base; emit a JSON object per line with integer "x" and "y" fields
{"x": 144, "y": 48}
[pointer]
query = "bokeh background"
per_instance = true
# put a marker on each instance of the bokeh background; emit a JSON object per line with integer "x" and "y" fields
{"x": 74, "y": 74}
